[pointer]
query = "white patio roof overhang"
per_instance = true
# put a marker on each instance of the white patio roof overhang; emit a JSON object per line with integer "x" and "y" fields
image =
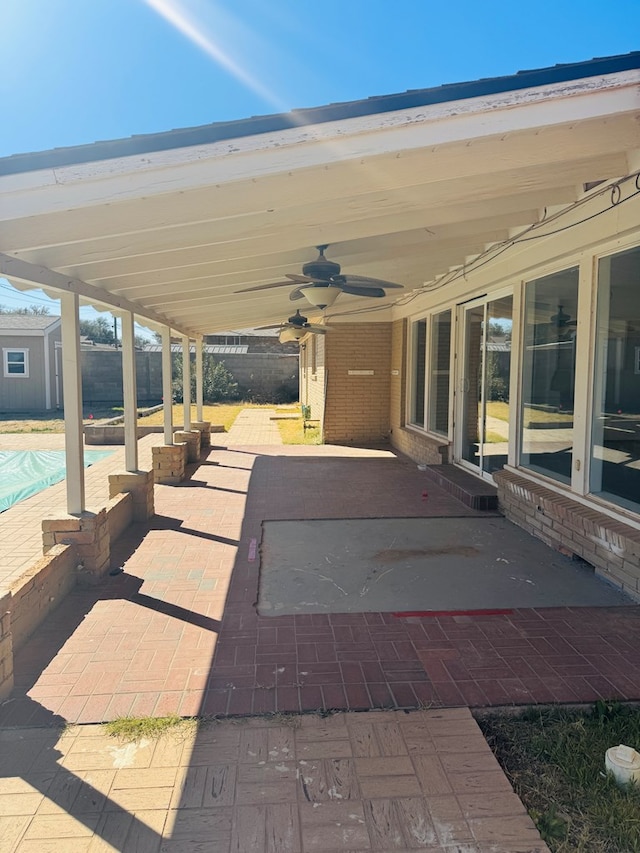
{"x": 170, "y": 226}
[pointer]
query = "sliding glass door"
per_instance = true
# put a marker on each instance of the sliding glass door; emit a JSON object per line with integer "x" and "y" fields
{"x": 482, "y": 423}
{"x": 548, "y": 374}
{"x": 615, "y": 446}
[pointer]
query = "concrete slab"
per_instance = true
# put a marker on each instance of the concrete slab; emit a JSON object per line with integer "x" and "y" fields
{"x": 409, "y": 564}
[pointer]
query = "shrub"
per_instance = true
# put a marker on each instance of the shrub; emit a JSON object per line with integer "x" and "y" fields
{"x": 217, "y": 383}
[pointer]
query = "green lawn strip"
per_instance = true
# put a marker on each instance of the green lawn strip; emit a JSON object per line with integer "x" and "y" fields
{"x": 25, "y": 422}
{"x": 294, "y": 432}
{"x": 218, "y": 414}
{"x": 554, "y": 758}
{"x": 493, "y": 437}
{"x": 500, "y": 410}
{"x": 131, "y": 729}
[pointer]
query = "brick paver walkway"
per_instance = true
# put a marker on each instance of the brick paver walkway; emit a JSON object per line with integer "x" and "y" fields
{"x": 253, "y": 427}
{"x": 349, "y": 782}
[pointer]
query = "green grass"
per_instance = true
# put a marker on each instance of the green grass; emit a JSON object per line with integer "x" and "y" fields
{"x": 500, "y": 410}
{"x": 554, "y": 759}
{"x": 131, "y": 729}
{"x": 52, "y": 421}
{"x": 219, "y": 414}
{"x": 493, "y": 437}
{"x": 293, "y": 432}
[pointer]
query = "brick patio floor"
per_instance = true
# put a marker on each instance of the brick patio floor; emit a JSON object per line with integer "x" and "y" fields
{"x": 144, "y": 642}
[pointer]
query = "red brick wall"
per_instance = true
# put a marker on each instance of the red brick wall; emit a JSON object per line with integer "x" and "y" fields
{"x": 357, "y": 406}
{"x": 611, "y": 547}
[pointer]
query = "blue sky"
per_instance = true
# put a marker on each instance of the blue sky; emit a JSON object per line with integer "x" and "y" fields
{"x": 78, "y": 71}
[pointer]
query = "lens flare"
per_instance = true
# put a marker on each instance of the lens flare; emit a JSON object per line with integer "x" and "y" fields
{"x": 194, "y": 27}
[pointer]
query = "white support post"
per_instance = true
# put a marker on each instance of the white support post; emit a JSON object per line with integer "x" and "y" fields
{"x": 167, "y": 390}
{"x": 72, "y": 397}
{"x": 130, "y": 394}
{"x": 585, "y": 348}
{"x": 186, "y": 382}
{"x": 515, "y": 368}
{"x": 199, "y": 378}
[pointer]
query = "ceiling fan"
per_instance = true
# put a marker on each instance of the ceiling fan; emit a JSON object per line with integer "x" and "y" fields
{"x": 295, "y": 328}
{"x": 321, "y": 283}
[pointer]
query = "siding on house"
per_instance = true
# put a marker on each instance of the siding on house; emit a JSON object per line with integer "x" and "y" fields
{"x": 37, "y": 336}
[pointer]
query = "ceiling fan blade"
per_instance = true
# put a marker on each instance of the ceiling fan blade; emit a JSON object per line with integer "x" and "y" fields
{"x": 297, "y": 293}
{"x": 376, "y": 292}
{"x": 299, "y": 279}
{"x": 276, "y": 326}
{"x": 365, "y": 281}
{"x": 317, "y": 330}
{"x": 264, "y": 287}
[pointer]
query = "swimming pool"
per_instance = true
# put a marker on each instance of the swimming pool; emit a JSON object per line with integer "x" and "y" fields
{"x": 24, "y": 473}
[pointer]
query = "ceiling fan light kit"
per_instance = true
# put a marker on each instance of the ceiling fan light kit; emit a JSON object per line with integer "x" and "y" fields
{"x": 295, "y": 328}
{"x": 320, "y": 295}
{"x": 289, "y": 334}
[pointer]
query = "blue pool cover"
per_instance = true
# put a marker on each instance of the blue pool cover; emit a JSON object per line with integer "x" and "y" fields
{"x": 24, "y": 473}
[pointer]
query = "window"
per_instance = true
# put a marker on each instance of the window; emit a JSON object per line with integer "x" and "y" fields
{"x": 419, "y": 355}
{"x": 615, "y": 452}
{"x": 15, "y": 362}
{"x": 431, "y": 339}
{"x": 439, "y": 370}
{"x": 548, "y": 374}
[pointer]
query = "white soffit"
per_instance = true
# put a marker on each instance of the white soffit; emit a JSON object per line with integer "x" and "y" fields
{"x": 401, "y": 196}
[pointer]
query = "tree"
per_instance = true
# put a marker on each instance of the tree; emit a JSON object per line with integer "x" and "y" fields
{"x": 217, "y": 383}
{"x": 100, "y": 331}
{"x": 499, "y": 330}
{"x": 31, "y": 310}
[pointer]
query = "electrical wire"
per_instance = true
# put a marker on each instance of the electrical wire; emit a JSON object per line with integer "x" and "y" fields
{"x": 495, "y": 251}
{"x": 20, "y": 296}
{"x": 525, "y": 236}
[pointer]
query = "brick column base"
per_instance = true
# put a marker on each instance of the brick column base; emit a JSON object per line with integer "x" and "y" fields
{"x": 192, "y": 440}
{"x": 6, "y": 647}
{"x": 140, "y": 485}
{"x": 89, "y": 534}
{"x": 204, "y": 428}
{"x": 168, "y": 463}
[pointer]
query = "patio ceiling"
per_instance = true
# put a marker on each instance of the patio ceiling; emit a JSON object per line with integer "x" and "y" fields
{"x": 175, "y": 229}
